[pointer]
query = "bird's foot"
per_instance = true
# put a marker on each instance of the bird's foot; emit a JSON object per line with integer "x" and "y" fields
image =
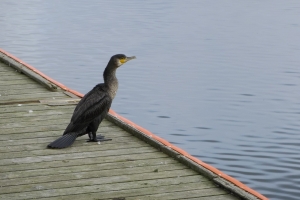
{"x": 99, "y": 138}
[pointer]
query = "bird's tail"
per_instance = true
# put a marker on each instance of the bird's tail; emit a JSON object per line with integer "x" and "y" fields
{"x": 64, "y": 141}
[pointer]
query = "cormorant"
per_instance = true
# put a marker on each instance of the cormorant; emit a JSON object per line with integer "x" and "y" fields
{"x": 93, "y": 107}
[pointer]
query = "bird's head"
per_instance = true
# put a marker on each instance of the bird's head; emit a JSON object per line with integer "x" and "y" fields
{"x": 120, "y": 59}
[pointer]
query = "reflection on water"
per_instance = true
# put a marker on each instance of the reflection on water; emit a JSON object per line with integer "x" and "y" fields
{"x": 221, "y": 80}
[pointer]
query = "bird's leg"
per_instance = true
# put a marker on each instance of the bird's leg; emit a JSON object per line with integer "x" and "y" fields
{"x": 90, "y": 135}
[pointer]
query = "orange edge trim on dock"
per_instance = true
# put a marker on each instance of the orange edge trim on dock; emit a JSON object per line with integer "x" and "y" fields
{"x": 146, "y": 132}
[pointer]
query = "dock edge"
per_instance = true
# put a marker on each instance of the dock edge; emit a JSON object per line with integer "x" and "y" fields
{"x": 220, "y": 178}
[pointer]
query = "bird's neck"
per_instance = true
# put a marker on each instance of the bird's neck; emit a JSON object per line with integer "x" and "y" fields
{"x": 111, "y": 81}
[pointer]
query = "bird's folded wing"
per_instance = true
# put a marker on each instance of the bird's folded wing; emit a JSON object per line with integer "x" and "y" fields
{"x": 95, "y": 104}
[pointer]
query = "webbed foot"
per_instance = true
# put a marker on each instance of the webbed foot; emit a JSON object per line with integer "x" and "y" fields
{"x": 98, "y": 138}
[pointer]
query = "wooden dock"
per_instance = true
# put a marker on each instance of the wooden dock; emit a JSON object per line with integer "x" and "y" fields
{"x": 34, "y": 111}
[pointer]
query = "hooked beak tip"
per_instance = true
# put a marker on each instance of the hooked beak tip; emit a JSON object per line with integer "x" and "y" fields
{"x": 130, "y": 58}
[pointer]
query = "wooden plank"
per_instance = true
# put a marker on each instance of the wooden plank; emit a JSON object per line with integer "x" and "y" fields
{"x": 36, "y": 121}
{"x": 39, "y": 113}
{"x": 200, "y": 188}
{"x": 49, "y": 127}
{"x": 9, "y": 111}
{"x": 181, "y": 193}
{"x": 63, "y": 120}
{"x": 10, "y": 72}
{"x": 215, "y": 197}
{"x": 5, "y": 68}
{"x": 33, "y": 106}
{"x": 36, "y": 114}
{"x": 9, "y": 124}
{"x": 13, "y": 76}
{"x": 55, "y": 165}
{"x": 78, "y": 141}
{"x": 17, "y": 87}
{"x": 47, "y": 158}
{"x": 81, "y": 175}
{"x": 80, "y": 166}
{"x": 24, "y": 69}
{"x": 21, "y": 91}
{"x": 116, "y": 185}
{"x": 28, "y": 97}
{"x": 111, "y": 190}
{"x": 60, "y": 102}
{"x": 27, "y": 132}
{"x": 19, "y": 82}
{"x": 117, "y": 137}
{"x": 78, "y": 149}
{"x": 90, "y": 171}
{"x": 75, "y": 179}
{"x": 33, "y": 94}
{"x": 17, "y": 138}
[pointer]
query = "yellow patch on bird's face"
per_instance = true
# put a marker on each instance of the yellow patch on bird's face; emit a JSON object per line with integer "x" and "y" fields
{"x": 123, "y": 60}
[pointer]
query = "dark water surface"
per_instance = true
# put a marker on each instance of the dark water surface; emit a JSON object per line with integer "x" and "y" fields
{"x": 218, "y": 78}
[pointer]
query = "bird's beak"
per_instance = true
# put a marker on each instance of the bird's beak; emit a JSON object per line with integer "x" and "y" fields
{"x": 130, "y": 58}
{"x": 124, "y": 60}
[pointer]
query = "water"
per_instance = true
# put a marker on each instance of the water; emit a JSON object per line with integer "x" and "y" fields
{"x": 219, "y": 79}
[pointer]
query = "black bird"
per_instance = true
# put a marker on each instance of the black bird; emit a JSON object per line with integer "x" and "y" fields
{"x": 93, "y": 107}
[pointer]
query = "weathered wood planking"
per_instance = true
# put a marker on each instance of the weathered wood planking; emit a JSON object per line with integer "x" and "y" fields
{"x": 125, "y": 167}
